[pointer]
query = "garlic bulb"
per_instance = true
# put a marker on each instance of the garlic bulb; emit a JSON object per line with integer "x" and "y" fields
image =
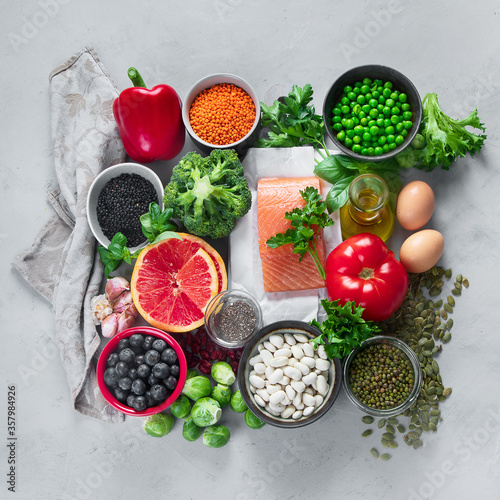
{"x": 101, "y": 308}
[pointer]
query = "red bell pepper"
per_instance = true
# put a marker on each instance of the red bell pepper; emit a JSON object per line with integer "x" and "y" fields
{"x": 363, "y": 269}
{"x": 149, "y": 121}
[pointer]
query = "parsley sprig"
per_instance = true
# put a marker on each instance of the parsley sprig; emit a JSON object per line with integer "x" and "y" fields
{"x": 344, "y": 329}
{"x": 305, "y": 224}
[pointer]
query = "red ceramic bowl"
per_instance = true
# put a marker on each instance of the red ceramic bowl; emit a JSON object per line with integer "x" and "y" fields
{"x": 113, "y": 344}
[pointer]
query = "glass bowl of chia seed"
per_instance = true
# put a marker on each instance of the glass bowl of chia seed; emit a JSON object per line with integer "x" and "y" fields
{"x": 117, "y": 198}
{"x": 383, "y": 376}
{"x": 232, "y": 318}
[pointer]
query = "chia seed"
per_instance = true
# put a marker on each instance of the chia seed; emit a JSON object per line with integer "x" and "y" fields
{"x": 237, "y": 321}
{"x": 121, "y": 202}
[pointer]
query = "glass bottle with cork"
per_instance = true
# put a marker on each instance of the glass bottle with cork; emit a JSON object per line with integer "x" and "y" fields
{"x": 367, "y": 210}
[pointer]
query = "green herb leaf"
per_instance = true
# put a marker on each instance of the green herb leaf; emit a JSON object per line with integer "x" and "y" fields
{"x": 344, "y": 329}
{"x": 156, "y": 222}
{"x": 305, "y": 224}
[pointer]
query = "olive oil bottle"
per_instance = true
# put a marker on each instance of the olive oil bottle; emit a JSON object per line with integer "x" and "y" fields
{"x": 367, "y": 210}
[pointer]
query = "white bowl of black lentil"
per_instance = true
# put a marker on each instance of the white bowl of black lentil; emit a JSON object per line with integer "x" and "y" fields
{"x": 117, "y": 198}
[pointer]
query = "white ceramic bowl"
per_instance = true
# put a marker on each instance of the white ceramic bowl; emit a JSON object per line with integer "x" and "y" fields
{"x": 244, "y": 143}
{"x": 99, "y": 183}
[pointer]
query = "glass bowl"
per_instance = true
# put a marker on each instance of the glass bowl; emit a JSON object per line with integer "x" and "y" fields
{"x": 232, "y": 318}
{"x": 407, "y": 353}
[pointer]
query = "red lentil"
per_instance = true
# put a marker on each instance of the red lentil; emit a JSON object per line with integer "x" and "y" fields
{"x": 222, "y": 114}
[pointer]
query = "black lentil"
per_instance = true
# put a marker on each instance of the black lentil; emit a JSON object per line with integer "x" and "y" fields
{"x": 381, "y": 376}
{"x": 120, "y": 204}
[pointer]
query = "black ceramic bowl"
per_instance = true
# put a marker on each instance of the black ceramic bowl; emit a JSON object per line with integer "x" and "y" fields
{"x": 251, "y": 350}
{"x": 374, "y": 71}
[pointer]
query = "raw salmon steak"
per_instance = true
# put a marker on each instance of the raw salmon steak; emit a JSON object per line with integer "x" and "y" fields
{"x": 281, "y": 269}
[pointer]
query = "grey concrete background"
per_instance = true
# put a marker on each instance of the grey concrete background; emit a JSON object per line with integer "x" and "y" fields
{"x": 448, "y": 47}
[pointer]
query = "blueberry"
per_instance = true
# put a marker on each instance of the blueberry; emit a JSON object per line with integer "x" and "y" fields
{"x": 137, "y": 350}
{"x": 132, "y": 374}
{"x": 140, "y": 403}
{"x": 112, "y": 359}
{"x": 127, "y": 355}
{"x": 138, "y": 387}
{"x": 148, "y": 342}
{"x": 171, "y": 382}
{"x": 161, "y": 370}
{"x": 139, "y": 360}
{"x": 169, "y": 356}
{"x": 159, "y": 392}
{"x": 152, "y": 357}
{"x": 143, "y": 371}
{"x": 136, "y": 340}
{"x": 111, "y": 377}
{"x": 125, "y": 383}
{"x": 175, "y": 370}
{"x": 159, "y": 345}
{"x": 123, "y": 344}
{"x": 152, "y": 380}
{"x": 151, "y": 401}
{"x": 121, "y": 395}
{"x": 130, "y": 400}
{"x": 121, "y": 368}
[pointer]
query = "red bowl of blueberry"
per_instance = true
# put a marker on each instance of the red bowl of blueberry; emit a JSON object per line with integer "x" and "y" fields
{"x": 141, "y": 371}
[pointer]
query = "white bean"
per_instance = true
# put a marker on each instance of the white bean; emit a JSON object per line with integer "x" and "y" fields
{"x": 283, "y": 352}
{"x": 271, "y": 411}
{"x": 290, "y": 392}
{"x": 284, "y": 381}
{"x": 297, "y": 415}
{"x": 263, "y": 394}
{"x": 298, "y": 385}
{"x": 259, "y": 401}
{"x": 277, "y": 340}
{"x": 253, "y": 389}
{"x": 290, "y": 340}
{"x": 285, "y": 401}
{"x": 256, "y": 359}
{"x": 260, "y": 368}
{"x": 297, "y": 402}
{"x": 300, "y": 337}
{"x": 272, "y": 388}
{"x": 278, "y": 362}
{"x": 322, "y": 364}
{"x": 260, "y": 347}
{"x": 309, "y": 379}
{"x": 308, "y": 349}
{"x": 269, "y": 371}
{"x": 308, "y": 410}
{"x": 277, "y": 397}
{"x": 322, "y": 385}
{"x": 270, "y": 347}
{"x": 321, "y": 352}
{"x": 276, "y": 407}
{"x": 293, "y": 373}
{"x": 257, "y": 381}
{"x": 276, "y": 376}
{"x": 297, "y": 351}
{"x": 319, "y": 399}
{"x": 304, "y": 369}
{"x": 266, "y": 356}
{"x": 292, "y": 361}
{"x": 308, "y": 399}
{"x": 310, "y": 362}
{"x": 288, "y": 411}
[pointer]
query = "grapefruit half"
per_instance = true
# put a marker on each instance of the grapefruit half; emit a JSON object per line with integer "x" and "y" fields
{"x": 173, "y": 281}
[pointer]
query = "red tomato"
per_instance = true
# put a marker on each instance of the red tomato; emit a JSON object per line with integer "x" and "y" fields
{"x": 363, "y": 269}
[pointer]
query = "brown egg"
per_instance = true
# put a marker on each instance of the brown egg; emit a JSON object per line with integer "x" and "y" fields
{"x": 421, "y": 250}
{"x": 415, "y": 205}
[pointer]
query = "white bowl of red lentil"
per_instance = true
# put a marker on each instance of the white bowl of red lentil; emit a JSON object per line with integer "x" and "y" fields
{"x": 222, "y": 111}
{"x": 139, "y": 185}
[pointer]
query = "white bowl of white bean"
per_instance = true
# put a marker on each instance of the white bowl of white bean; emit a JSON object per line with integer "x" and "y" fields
{"x": 285, "y": 381}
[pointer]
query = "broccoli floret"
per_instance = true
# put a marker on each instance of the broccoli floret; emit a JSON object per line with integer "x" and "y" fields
{"x": 208, "y": 194}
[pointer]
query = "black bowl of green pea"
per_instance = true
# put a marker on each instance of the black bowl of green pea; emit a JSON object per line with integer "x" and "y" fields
{"x": 383, "y": 376}
{"x": 372, "y": 112}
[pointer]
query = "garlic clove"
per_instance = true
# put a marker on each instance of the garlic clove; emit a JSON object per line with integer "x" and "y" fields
{"x": 115, "y": 287}
{"x": 101, "y": 308}
{"x": 122, "y": 302}
{"x": 109, "y": 326}
{"x": 125, "y": 320}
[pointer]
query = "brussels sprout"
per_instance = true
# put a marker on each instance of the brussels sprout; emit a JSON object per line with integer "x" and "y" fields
{"x": 191, "y": 373}
{"x": 216, "y": 436}
{"x": 181, "y": 407}
{"x": 190, "y": 431}
{"x": 237, "y": 403}
{"x": 252, "y": 421}
{"x": 222, "y": 394}
{"x": 197, "y": 387}
{"x": 206, "y": 411}
{"x": 223, "y": 373}
{"x": 158, "y": 425}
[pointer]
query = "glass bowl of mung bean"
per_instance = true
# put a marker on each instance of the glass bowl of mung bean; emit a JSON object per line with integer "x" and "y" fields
{"x": 383, "y": 376}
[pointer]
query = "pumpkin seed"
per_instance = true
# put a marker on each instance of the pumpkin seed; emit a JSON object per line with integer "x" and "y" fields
{"x": 401, "y": 428}
{"x": 449, "y": 324}
{"x": 433, "y": 427}
{"x": 433, "y": 420}
{"x": 412, "y": 435}
{"x": 448, "y": 308}
{"x": 388, "y": 436}
{"x": 393, "y": 444}
{"x": 367, "y": 433}
{"x": 389, "y": 428}
{"x": 425, "y": 427}
{"x": 435, "y": 366}
{"x": 459, "y": 278}
{"x": 437, "y": 304}
{"x": 456, "y": 292}
{"x": 417, "y": 444}
{"x": 443, "y": 314}
{"x": 451, "y": 301}
{"x": 392, "y": 421}
{"x": 465, "y": 283}
{"x": 385, "y": 456}
{"x": 447, "y": 391}
{"x": 374, "y": 452}
{"x": 447, "y": 337}
{"x": 458, "y": 285}
{"x": 367, "y": 419}
{"x": 381, "y": 423}
{"x": 385, "y": 443}
{"x": 448, "y": 273}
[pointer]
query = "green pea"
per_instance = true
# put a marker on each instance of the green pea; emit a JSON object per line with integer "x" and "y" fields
{"x": 363, "y": 121}
{"x": 366, "y": 108}
{"x": 407, "y": 115}
{"x": 381, "y": 99}
{"x": 345, "y": 109}
{"x": 393, "y": 146}
{"x": 341, "y": 136}
{"x": 350, "y": 133}
{"x": 389, "y": 130}
{"x": 348, "y": 142}
{"x": 399, "y": 127}
{"x": 349, "y": 124}
{"x": 351, "y": 96}
{"x": 399, "y": 139}
{"x": 380, "y": 122}
{"x": 365, "y": 89}
{"x": 356, "y": 148}
{"x": 344, "y": 100}
{"x": 356, "y": 139}
{"x": 357, "y": 84}
{"x": 336, "y": 119}
{"x": 404, "y": 132}
{"x": 355, "y": 120}
{"x": 405, "y": 106}
{"x": 390, "y": 139}
{"x": 367, "y": 81}
{"x": 386, "y": 148}
{"x": 347, "y": 89}
{"x": 367, "y": 136}
{"x": 356, "y": 90}
{"x": 403, "y": 97}
{"x": 373, "y": 103}
{"x": 390, "y": 103}
{"x": 386, "y": 110}
{"x": 378, "y": 151}
{"x": 386, "y": 93}
{"x": 382, "y": 140}
{"x": 375, "y": 94}
{"x": 407, "y": 125}
{"x": 336, "y": 110}
{"x": 395, "y": 119}
{"x": 361, "y": 99}
{"x": 374, "y": 130}
{"x": 395, "y": 95}
{"x": 374, "y": 113}
{"x": 337, "y": 127}
{"x": 364, "y": 151}
{"x": 388, "y": 85}
{"x": 395, "y": 110}
{"x": 370, "y": 151}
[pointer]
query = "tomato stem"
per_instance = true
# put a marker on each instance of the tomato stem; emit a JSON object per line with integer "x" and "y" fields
{"x": 366, "y": 273}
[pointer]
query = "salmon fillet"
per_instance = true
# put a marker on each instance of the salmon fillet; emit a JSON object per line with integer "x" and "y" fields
{"x": 281, "y": 269}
